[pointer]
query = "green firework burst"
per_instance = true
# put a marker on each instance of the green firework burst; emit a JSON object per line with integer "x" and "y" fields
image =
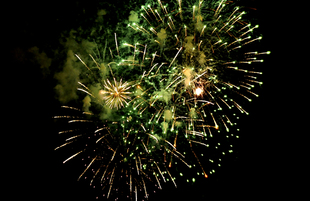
{"x": 172, "y": 87}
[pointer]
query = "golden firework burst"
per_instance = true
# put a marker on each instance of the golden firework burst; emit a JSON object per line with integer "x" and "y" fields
{"x": 115, "y": 95}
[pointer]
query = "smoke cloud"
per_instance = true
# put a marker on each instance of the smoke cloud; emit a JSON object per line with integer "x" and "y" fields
{"x": 168, "y": 115}
{"x": 192, "y": 113}
{"x": 164, "y": 96}
{"x": 162, "y": 35}
{"x": 133, "y": 17}
{"x": 42, "y": 59}
{"x": 86, "y": 103}
{"x": 108, "y": 114}
{"x": 188, "y": 44}
{"x": 164, "y": 126}
{"x": 188, "y": 74}
{"x": 68, "y": 79}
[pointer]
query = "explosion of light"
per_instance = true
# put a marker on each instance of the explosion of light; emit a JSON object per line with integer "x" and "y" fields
{"x": 115, "y": 94}
{"x": 198, "y": 91}
{"x": 187, "y": 92}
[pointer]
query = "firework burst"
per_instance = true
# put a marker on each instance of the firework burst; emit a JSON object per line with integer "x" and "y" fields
{"x": 115, "y": 95}
{"x": 187, "y": 75}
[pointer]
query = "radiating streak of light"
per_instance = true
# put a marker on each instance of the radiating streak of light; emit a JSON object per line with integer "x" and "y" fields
{"x": 199, "y": 143}
{"x": 180, "y": 81}
{"x": 152, "y": 11}
{"x": 87, "y": 167}
{"x": 180, "y": 159}
{"x": 83, "y": 85}
{"x": 88, "y": 113}
{"x": 105, "y": 172}
{"x": 194, "y": 133}
{"x": 111, "y": 182}
{"x": 116, "y": 44}
{"x": 160, "y": 115}
{"x": 225, "y": 102}
{"x": 227, "y": 129}
{"x": 157, "y": 180}
{"x": 79, "y": 120}
{"x": 248, "y": 31}
{"x": 160, "y": 67}
{"x": 173, "y": 82}
{"x": 95, "y": 176}
{"x": 199, "y": 76}
{"x": 63, "y": 145}
{"x": 237, "y": 8}
{"x": 99, "y": 129}
{"x": 146, "y": 19}
{"x": 82, "y": 61}
{"x": 114, "y": 154}
{"x": 86, "y": 92}
{"x": 95, "y": 61}
{"x": 239, "y": 107}
{"x": 153, "y": 137}
{"x": 100, "y": 138}
{"x": 175, "y": 56}
{"x": 67, "y": 131}
{"x": 70, "y": 138}
{"x": 170, "y": 144}
{"x": 130, "y": 182}
{"x": 171, "y": 178}
{"x": 143, "y": 109}
{"x": 64, "y": 117}
{"x": 252, "y": 93}
{"x": 145, "y": 147}
{"x": 228, "y": 120}
{"x": 139, "y": 104}
{"x": 152, "y": 69}
{"x": 216, "y": 125}
{"x": 144, "y": 188}
{"x": 160, "y": 171}
{"x": 159, "y": 16}
{"x": 136, "y": 191}
{"x": 197, "y": 158}
{"x": 140, "y": 162}
{"x": 74, "y": 155}
{"x": 243, "y": 96}
{"x": 153, "y": 58}
{"x": 72, "y": 108}
{"x": 218, "y": 8}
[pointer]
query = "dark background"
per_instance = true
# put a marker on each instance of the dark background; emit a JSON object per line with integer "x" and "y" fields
{"x": 40, "y": 174}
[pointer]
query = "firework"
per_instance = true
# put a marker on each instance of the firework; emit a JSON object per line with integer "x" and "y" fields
{"x": 185, "y": 80}
{"x": 115, "y": 95}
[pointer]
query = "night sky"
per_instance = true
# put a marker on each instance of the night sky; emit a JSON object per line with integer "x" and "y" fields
{"x": 36, "y": 53}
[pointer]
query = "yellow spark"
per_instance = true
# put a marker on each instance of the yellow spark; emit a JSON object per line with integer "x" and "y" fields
{"x": 115, "y": 94}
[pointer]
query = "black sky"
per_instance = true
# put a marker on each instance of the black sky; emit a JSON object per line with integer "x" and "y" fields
{"x": 41, "y": 24}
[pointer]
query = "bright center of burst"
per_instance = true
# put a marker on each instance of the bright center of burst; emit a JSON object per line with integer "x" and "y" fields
{"x": 198, "y": 91}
